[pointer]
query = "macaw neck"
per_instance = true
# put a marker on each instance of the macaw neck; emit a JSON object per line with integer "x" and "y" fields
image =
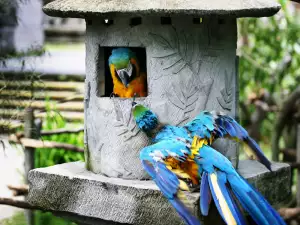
{"x": 152, "y": 133}
{"x": 114, "y": 75}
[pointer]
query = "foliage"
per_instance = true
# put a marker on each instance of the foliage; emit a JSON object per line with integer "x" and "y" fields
{"x": 50, "y": 157}
{"x": 270, "y": 59}
{"x": 266, "y": 44}
{"x": 42, "y": 218}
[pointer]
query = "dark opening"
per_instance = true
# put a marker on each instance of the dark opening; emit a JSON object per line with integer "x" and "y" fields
{"x": 165, "y": 20}
{"x": 221, "y": 21}
{"x": 135, "y": 21}
{"x": 197, "y": 20}
{"x": 89, "y": 22}
{"x": 108, "y": 22}
{"x": 106, "y": 88}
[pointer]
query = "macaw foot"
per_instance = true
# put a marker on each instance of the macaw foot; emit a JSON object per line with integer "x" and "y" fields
{"x": 194, "y": 188}
{"x": 113, "y": 95}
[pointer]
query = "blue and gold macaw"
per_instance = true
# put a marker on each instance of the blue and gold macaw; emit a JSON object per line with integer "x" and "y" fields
{"x": 128, "y": 79}
{"x": 181, "y": 158}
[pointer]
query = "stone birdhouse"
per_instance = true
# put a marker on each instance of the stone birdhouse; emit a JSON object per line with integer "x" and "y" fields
{"x": 188, "y": 51}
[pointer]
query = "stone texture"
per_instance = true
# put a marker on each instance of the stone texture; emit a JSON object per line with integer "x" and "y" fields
{"x": 190, "y": 67}
{"x": 236, "y": 8}
{"x": 21, "y": 27}
{"x": 72, "y": 191}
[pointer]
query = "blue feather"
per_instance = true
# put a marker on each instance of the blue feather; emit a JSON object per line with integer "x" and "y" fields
{"x": 274, "y": 213}
{"x": 215, "y": 198}
{"x": 258, "y": 152}
{"x": 184, "y": 213}
{"x": 254, "y": 204}
{"x": 230, "y": 201}
{"x": 205, "y": 195}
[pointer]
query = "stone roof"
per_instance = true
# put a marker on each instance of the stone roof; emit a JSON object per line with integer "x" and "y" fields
{"x": 109, "y": 8}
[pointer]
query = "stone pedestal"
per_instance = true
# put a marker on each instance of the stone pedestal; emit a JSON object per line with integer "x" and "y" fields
{"x": 69, "y": 190}
{"x": 21, "y": 27}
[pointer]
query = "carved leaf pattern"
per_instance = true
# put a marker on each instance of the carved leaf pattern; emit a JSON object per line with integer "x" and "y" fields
{"x": 226, "y": 98}
{"x": 126, "y": 126}
{"x": 185, "y": 97}
{"x": 183, "y": 52}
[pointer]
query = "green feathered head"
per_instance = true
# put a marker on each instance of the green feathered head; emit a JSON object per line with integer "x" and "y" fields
{"x": 125, "y": 63}
{"x": 144, "y": 117}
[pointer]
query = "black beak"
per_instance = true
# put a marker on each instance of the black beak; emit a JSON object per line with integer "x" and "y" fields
{"x": 133, "y": 103}
{"x": 124, "y": 76}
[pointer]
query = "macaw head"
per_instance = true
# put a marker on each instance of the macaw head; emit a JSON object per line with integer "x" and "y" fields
{"x": 123, "y": 64}
{"x": 144, "y": 117}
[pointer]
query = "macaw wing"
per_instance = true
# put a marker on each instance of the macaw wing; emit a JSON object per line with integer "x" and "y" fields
{"x": 227, "y": 127}
{"x": 231, "y": 192}
{"x": 163, "y": 162}
{"x": 202, "y": 125}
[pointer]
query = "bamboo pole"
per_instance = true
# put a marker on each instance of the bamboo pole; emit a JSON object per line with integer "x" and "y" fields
{"x": 298, "y": 161}
{"x": 29, "y": 154}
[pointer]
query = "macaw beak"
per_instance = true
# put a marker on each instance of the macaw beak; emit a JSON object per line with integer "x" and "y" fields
{"x": 125, "y": 74}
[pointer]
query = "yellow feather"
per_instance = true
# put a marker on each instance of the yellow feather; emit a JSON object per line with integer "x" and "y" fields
{"x": 197, "y": 144}
{"x": 181, "y": 174}
{"x": 229, "y": 219}
{"x": 183, "y": 198}
{"x": 183, "y": 186}
{"x": 169, "y": 167}
{"x": 250, "y": 153}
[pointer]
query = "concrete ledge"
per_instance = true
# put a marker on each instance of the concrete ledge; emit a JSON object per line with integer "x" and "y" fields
{"x": 69, "y": 189}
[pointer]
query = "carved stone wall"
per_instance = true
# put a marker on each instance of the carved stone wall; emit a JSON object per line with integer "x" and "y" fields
{"x": 190, "y": 67}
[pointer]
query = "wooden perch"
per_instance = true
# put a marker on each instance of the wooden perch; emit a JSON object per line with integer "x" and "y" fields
{"x": 289, "y": 213}
{"x": 57, "y": 131}
{"x": 294, "y": 165}
{"x": 286, "y": 111}
{"x": 62, "y": 131}
{"x": 19, "y": 190}
{"x": 32, "y": 143}
{"x": 17, "y": 203}
{"x": 289, "y": 151}
{"x": 298, "y": 1}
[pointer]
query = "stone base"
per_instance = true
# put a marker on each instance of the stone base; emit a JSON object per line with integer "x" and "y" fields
{"x": 69, "y": 190}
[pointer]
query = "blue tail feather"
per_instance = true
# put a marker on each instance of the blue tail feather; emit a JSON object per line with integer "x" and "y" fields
{"x": 168, "y": 183}
{"x": 215, "y": 199}
{"x": 262, "y": 200}
{"x": 205, "y": 195}
{"x": 239, "y": 217}
{"x": 183, "y": 212}
{"x": 258, "y": 152}
{"x": 253, "y": 202}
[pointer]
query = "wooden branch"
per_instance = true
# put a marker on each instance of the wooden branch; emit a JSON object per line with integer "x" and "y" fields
{"x": 297, "y": 1}
{"x": 62, "y": 131}
{"x": 18, "y": 203}
{"x": 289, "y": 213}
{"x": 294, "y": 165}
{"x": 57, "y": 131}
{"x": 285, "y": 112}
{"x": 32, "y": 143}
{"x": 19, "y": 190}
{"x": 289, "y": 151}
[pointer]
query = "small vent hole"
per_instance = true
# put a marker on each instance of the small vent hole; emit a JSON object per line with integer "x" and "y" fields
{"x": 135, "y": 21}
{"x": 197, "y": 20}
{"x": 166, "y": 20}
{"x": 108, "y": 22}
{"x": 221, "y": 21}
